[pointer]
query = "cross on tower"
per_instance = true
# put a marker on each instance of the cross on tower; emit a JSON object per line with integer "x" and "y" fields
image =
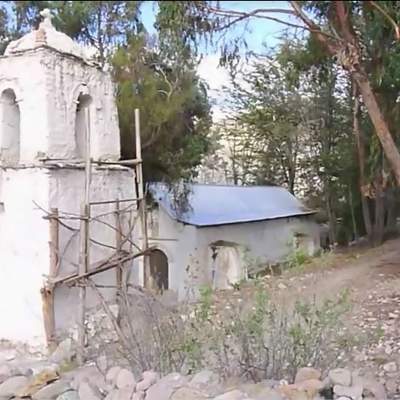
{"x": 47, "y": 17}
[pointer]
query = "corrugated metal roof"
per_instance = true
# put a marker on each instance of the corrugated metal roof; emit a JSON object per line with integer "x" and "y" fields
{"x": 210, "y": 205}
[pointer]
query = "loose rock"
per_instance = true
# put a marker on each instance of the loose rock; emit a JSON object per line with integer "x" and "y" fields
{"x": 340, "y": 376}
{"x": 11, "y": 386}
{"x": 304, "y": 374}
{"x": 125, "y": 379}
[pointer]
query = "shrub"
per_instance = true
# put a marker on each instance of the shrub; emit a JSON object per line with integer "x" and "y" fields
{"x": 256, "y": 339}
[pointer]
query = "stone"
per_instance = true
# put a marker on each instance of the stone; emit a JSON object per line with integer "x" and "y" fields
{"x": 260, "y": 391}
{"x": 89, "y": 392}
{"x": 340, "y": 376}
{"x": 124, "y": 379}
{"x": 12, "y": 385}
{"x": 51, "y": 391}
{"x": 139, "y": 395}
{"x": 91, "y": 374}
{"x": 112, "y": 374}
{"x": 163, "y": 389}
{"x": 232, "y": 395}
{"x": 5, "y": 373}
{"x": 206, "y": 379}
{"x": 306, "y": 373}
{"x": 188, "y": 393}
{"x": 351, "y": 392}
{"x": 149, "y": 378}
{"x": 282, "y": 286}
{"x": 390, "y": 367}
{"x": 303, "y": 390}
{"x": 70, "y": 395}
{"x": 37, "y": 382}
{"x": 64, "y": 352}
{"x": 125, "y": 393}
{"x": 391, "y": 385}
{"x": 371, "y": 386}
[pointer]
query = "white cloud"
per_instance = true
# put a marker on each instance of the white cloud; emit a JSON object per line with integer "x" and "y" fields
{"x": 217, "y": 78}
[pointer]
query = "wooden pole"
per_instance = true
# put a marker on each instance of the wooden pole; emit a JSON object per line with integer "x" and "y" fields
{"x": 118, "y": 245}
{"x": 142, "y": 201}
{"x": 84, "y": 246}
{"x": 47, "y": 291}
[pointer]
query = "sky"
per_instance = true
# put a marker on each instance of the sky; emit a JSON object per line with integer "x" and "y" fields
{"x": 258, "y": 33}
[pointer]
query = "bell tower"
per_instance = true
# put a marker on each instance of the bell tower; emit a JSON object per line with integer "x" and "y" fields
{"x": 47, "y": 84}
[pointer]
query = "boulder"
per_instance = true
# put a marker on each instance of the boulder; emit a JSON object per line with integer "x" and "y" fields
{"x": 206, "y": 379}
{"x": 304, "y": 390}
{"x": 372, "y": 386}
{"x": 139, "y": 395}
{"x": 340, "y": 376}
{"x": 163, "y": 389}
{"x": 149, "y": 378}
{"x": 90, "y": 374}
{"x": 390, "y": 367}
{"x": 70, "y": 395}
{"x": 64, "y": 353}
{"x": 260, "y": 391}
{"x": 188, "y": 393}
{"x": 232, "y": 395}
{"x": 111, "y": 376}
{"x": 37, "y": 382}
{"x": 11, "y": 386}
{"x": 350, "y": 392}
{"x": 307, "y": 373}
{"x": 88, "y": 391}
{"x": 125, "y": 393}
{"x": 53, "y": 390}
{"x": 5, "y": 373}
{"x": 125, "y": 379}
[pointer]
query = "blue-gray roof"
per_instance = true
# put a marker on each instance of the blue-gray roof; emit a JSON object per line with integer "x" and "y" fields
{"x": 210, "y": 205}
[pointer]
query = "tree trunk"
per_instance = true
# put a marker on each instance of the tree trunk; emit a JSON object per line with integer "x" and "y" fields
{"x": 331, "y": 218}
{"x": 360, "y": 146}
{"x": 353, "y": 217}
{"x": 391, "y": 217}
{"x": 379, "y": 211}
{"x": 347, "y": 51}
{"x": 379, "y": 122}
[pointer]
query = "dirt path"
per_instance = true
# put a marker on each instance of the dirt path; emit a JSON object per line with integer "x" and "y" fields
{"x": 372, "y": 277}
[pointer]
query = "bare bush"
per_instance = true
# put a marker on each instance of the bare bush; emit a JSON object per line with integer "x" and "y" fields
{"x": 255, "y": 339}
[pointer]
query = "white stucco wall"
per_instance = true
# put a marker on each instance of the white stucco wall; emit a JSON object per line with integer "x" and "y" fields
{"x": 24, "y": 242}
{"x": 48, "y": 72}
{"x": 190, "y": 264}
{"x": 24, "y": 252}
{"x": 48, "y": 84}
{"x": 66, "y": 189}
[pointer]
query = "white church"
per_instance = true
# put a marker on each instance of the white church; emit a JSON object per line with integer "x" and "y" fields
{"x": 46, "y": 83}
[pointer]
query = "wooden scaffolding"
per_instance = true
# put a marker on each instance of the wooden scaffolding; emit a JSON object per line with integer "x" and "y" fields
{"x": 122, "y": 254}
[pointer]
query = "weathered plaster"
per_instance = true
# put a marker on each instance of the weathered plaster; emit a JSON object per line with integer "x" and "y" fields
{"x": 260, "y": 242}
{"x": 47, "y": 71}
{"x": 24, "y": 252}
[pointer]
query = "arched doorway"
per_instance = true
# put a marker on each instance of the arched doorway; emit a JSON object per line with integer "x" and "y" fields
{"x": 227, "y": 266}
{"x": 9, "y": 127}
{"x": 81, "y": 124}
{"x": 159, "y": 271}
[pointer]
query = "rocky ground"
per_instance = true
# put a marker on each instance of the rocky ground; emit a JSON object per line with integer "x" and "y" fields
{"x": 371, "y": 275}
{"x": 46, "y": 380}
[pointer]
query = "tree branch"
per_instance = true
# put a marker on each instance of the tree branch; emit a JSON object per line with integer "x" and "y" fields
{"x": 388, "y": 17}
{"x": 260, "y": 13}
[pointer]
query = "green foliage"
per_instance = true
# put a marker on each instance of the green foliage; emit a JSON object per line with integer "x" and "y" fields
{"x": 175, "y": 111}
{"x": 297, "y": 259}
{"x": 204, "y": 309}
